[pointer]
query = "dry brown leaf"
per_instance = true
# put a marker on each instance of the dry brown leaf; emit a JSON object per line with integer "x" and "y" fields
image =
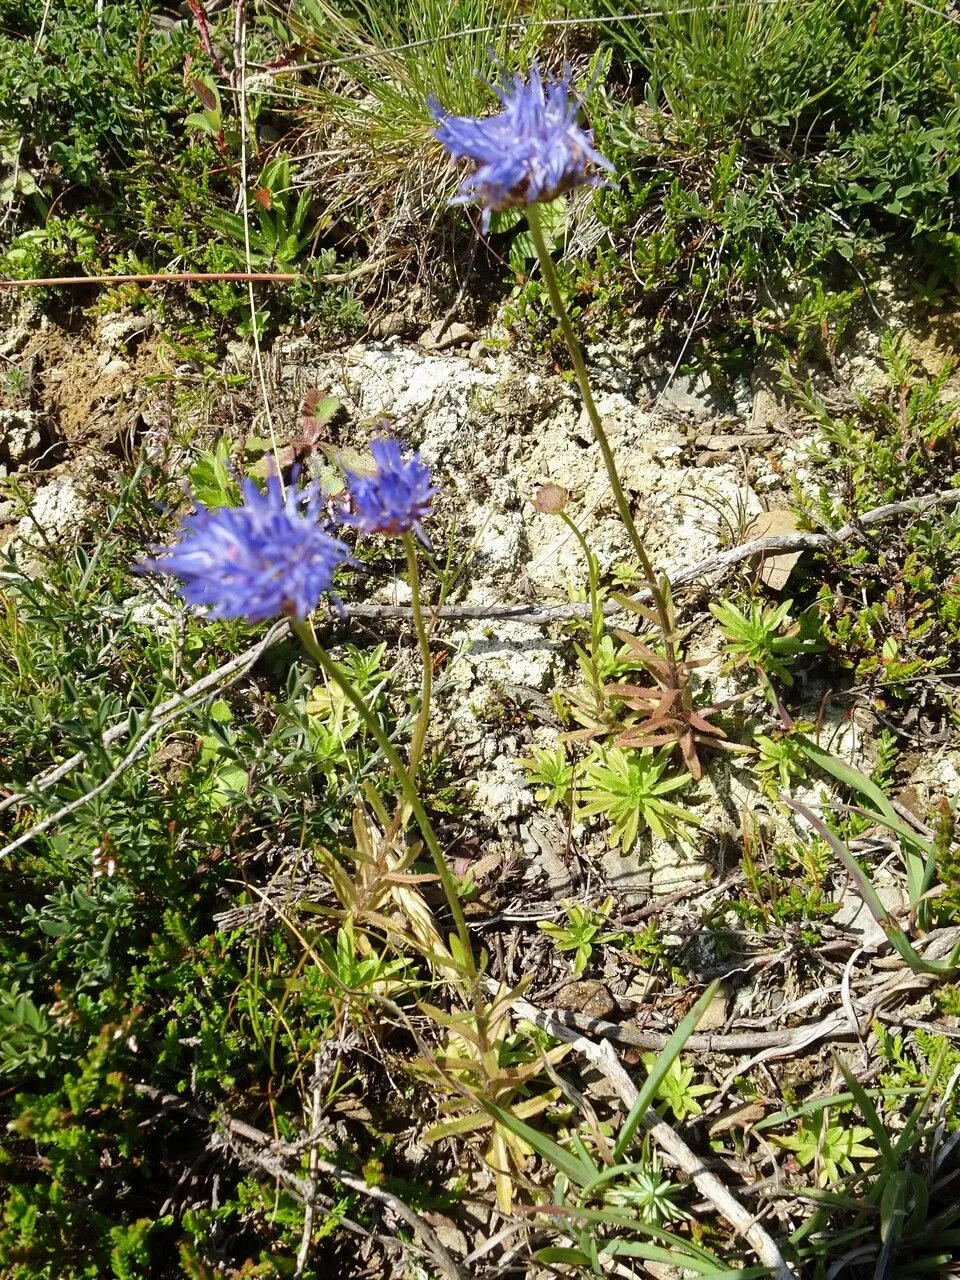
{"x": 775, "y": 569}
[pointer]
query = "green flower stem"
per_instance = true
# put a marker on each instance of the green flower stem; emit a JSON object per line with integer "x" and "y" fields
{"x": 580, "y": 369}
{"x": 596, "y": 613}
{"x": 336, "y": 673}
{"x": 420, "y": 728}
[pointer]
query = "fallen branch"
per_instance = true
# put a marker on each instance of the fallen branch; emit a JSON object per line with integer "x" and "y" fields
{"x": 533, "y": 614}
{"x": 207, "y": 277}
{"x": 667, "y": 1139}
{"x": 894, "y": 976}
{"x": 303, "y": 1188}
{"x": 783, "y": 1043}
{"x": 256, "y": 1147}
{"x": 161, "y": 714}
{"x": 720, "y": 563}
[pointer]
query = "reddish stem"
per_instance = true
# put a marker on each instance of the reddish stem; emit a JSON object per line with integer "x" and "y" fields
{"x": 170, "y": 277}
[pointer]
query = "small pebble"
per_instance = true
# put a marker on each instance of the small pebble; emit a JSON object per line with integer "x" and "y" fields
{"x": 586, "y": 996}
{"x": 454, "y": 335}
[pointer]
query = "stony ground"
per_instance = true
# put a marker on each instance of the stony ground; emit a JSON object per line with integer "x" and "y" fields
{"x": 706, "y": 472}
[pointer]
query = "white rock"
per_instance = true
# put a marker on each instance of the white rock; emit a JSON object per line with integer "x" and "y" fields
{"x": 938, "y": 775}
{"x": 58, "y": 510}
{"x": 118, "y": 331}
{"x": 501, "y": 792}
{"x": 855, "y": 915}
{"x": 694, "y": 395}
{"x": 513, "y": 653}
{"x": 20, "y": 437}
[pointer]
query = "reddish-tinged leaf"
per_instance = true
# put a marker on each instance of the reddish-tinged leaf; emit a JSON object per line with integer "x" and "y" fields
{"x": 639, "y": 648}
{"x": 690, "y": 758}
{"x": 691, "y": 664}
{"x": 640, "y": 738}
{"x": 699, "y": 721}
{"x": 580, "y": 735}
{"x": 635, "y": 698}
{"x": 206, "y": 95}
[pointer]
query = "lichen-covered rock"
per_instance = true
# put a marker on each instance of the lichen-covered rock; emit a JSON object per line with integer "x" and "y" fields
{"x": 21, "y": 438}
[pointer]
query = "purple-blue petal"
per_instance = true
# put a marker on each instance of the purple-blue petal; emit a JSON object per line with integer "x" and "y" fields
{"x": 532, "y": 151}
{"x": 267, "y": 557}
{"x": 395, "y": 497}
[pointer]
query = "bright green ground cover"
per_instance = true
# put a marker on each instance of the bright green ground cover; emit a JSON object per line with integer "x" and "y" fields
{"x": 772, "y": 161}
{"x": 771, "y": 157}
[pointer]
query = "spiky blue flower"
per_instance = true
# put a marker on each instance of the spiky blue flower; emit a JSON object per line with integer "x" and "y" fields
{"x": 395, "y": 497}
{"x": 268, "y": 557}
{"x": 533, "y": 151}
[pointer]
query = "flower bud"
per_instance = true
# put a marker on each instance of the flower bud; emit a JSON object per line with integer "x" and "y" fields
{"x": 551, "y": 500}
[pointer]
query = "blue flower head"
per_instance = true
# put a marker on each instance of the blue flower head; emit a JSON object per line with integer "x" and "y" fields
{"x": 532, "y": 151}
{"x": 395, "y": 497}
{"x": 268, "y": 557}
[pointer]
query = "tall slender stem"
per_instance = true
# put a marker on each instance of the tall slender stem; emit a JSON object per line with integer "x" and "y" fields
{"x": 426, "y": 688}
{"x": 596, "y": 613}
{"x": 580, "y": 369}
{"x": 407, "y": 785}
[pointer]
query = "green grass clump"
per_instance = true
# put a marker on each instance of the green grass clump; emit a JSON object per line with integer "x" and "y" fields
{"x": 769, "y": 152}
{"x": 92, "y": 111}
{"x": 120, "y": 150}
{"x": 771, "y": 160}
{"x": 889, "y": 605}
{"x": 113, "y": 969}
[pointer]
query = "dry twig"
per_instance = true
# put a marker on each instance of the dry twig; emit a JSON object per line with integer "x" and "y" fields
{"x": 236, "y": 1130}
{"x": 206, "y": 277}
{"x": 667, "y": 1139}
{"x": 254, "y": 1146}
{"x": 774, "y": 545}
{"x": 161, "y": 716}
{"x": 530, "y": 613}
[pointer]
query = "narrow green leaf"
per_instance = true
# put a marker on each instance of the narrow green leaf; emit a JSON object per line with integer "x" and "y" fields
{"x": 574, "y": 1257}
{"x": 884, "y": 919}
{"x": 778, "y": 1118}
{"x": 681, "y": 1253}
{"x": 919, "y": 1193}
{"x": 870, "y": 1115}
{"x": 891, "y": 1206}
{"x": 578, "y": 1171}
{"x": 917, "y": 850}
{"x": 671, "y": 1051}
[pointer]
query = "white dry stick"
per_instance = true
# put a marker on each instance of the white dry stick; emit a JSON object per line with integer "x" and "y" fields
{"x": 309, "y": 1206}
{"x": 138, "y": 746}
{"x": 532, "y": 613}
{"x": 529, "y": 612}
{"x": 667, "y": 1139}
{"x": 218, "y": 679}
{"x": 271, "y": 1159}
{"x": 719, "y": 563}
{"x": 846, "y": 999}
